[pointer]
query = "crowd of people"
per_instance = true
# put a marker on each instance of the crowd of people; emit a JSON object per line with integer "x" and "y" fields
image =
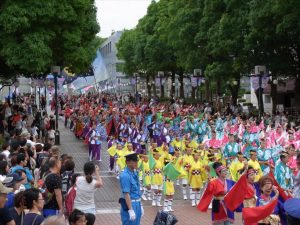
{"x": 209, "y": 151}
{"x": 37, "y": 182}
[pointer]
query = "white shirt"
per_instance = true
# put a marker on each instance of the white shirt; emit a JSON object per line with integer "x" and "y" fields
{"x": 85, "y": 194}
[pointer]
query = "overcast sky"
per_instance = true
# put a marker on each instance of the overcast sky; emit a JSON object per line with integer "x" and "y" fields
{"x": 119, "y": 14}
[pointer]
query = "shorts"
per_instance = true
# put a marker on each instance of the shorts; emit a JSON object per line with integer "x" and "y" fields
{"x": 157, "y": 187}
{"x": 184, "y": 181}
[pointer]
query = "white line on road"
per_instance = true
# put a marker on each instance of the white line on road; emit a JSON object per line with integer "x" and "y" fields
{"x": 108, "y": 211}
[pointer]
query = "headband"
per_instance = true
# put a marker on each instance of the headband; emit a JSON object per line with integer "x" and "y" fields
{"x": 220, "y": 168}
{"x": 251, "y": 171}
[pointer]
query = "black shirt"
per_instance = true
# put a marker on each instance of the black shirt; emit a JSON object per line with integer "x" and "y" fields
{"x": 53, "y": 181}
{"x": 5, "y": 216}
{"x": 16, "y": 217}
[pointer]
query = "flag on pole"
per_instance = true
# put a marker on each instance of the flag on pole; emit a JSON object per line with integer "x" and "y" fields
{"x": 151, "y": 161}
{"x": 112, "y": 150}
{"x": 171, "y": 172}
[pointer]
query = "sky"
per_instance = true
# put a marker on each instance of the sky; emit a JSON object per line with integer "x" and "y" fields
{"x": 119, "y": 14}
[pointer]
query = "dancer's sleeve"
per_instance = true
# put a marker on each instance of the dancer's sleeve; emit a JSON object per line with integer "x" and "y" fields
{"x": 206, "y": 198}
{"x": 235, "y": 197}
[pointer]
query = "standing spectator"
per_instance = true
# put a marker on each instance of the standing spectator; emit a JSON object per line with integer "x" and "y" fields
{"x": 53, "y": 185}
{"x": 43, "y": 102}
{"x": 17, "y": 212}
{"x": 6, "y": 150}
{"x": 86, "y": 187}
{"x": 34, "y": 202}
{"x": 21, "y": 163}
{"x": 5, "y": 217}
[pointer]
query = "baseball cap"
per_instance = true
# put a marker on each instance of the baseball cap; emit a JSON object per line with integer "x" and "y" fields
{"x": 15, "y": 178}
{"x": 5, "y": 190}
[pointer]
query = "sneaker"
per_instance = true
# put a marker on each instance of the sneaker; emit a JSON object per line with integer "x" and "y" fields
{"x": 158, "y": 204}
{"x": 166, "y": 209}
{"x": 153, "y": 203}
{"x": 144, "y": 198}
{"x": 193, "y": 203}
{"x": 184, "y": 197}
{"x": 149, "y": 198}
{"x": 177, "y": 183}
{"x": 118, "y": 177}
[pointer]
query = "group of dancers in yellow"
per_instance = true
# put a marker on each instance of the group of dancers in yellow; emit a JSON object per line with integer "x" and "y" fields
{"x": 191, "y": 161}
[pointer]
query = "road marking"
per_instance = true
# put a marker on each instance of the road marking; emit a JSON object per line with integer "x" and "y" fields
{"x": 108, "y": 211}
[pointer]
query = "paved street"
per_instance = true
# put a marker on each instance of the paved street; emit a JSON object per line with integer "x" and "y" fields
{"x": 107, "y": 197}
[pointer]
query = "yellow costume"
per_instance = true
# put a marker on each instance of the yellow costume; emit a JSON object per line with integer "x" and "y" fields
{"x": 234, "y": 168}
{"x": 186, "y": 164}
{"x": 157, "y": 177}
{"x": 146, "y": 173}
{"x": 255, "y": 164}
{"x": 120, "y": 159}
{"x": 195, "y": 174}
{"x": 169, "y": 187}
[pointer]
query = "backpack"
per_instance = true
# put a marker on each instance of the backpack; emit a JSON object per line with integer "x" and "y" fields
{"x": 69, "y": 200}
{"x": 47, "y": 195}
{"x": 66, "y": 178}
{"x": 165, "y": 218}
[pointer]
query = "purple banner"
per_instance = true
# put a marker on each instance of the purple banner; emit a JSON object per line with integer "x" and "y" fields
{"x": 157, "y": 81}
{"x": 194, "y": 81}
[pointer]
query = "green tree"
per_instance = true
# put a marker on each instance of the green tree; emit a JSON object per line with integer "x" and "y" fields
{"x": 34, "y": 35}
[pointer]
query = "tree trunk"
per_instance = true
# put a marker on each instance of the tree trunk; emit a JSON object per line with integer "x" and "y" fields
{"x": 207, "y": 90}
{"x": 234, "y": 89}
{"x": 162, "y": 90}
{"x": 218, "y": 87}
{"x": 274, "y": 97}
{"x": 181, "y": 86}
{"x": 259, "y": 96}
{"x": 193, "y": 92}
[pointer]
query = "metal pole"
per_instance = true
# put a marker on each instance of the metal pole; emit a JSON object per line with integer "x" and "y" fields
{"x": 39, "y": 97}
{"x": 56, "y": 101}
{"x": 8, "y": 94}
{"x": 260, "y": 95}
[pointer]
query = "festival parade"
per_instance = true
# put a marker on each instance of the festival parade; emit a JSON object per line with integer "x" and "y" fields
{"x": 149, "y": 112}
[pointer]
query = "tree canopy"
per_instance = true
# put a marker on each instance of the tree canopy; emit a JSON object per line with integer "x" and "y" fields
{"x": 226, "y": 39}
{"x": 35, "y": 35}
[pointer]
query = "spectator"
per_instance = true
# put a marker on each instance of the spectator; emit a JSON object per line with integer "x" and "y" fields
{"x": 66, "y": 176}
{"x": 90, "y": 218}
{"x": 5, "y": 217}
{"x": 34, "y": 202}
{"x": 6, "y": 150}
{"x": 77, "y": 217}
{"x": 4, "y": 169}
{"x": 54, "y": 220}
{"x": 17, "y": 212}
{"x": 53, "y": 185}
{"x": 21, "y": 163}
{"x": 86, "y": 187}
{"x": 16, "y": 183}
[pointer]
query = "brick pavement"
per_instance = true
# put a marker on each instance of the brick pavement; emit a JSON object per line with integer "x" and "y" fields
{"x": 107, "y": 197}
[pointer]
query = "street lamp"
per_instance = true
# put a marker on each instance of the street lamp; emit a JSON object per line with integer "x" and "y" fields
{"x": 55, "y": 70}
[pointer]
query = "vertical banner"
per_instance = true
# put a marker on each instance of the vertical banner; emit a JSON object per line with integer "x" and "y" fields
{"x": 194, "y": 81}
{"x": 157, "y": 81}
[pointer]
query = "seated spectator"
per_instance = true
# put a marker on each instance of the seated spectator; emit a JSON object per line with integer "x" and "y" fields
{"x": 17, "y": 212}
{"x": 34, "y": 202}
